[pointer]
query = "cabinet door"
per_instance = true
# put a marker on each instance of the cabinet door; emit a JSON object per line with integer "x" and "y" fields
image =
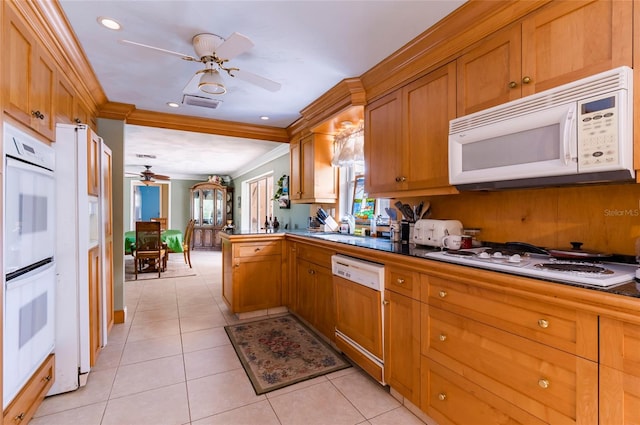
{"x": 65, "y": 100}
{"x": 95, "y": 306}
{"x": 619, "y": 397}
{"x": 489, "y": 74}
{"x": 570, "y": 40}
{"x": 383, "y": 153}
{"x": 402, "y": 345}
{"x": 257, "y": 283}
{"x": 429, "y": 105}
{"x": 325, "y": 309}
{"x": 19, "y": 48}
{"x": 294, "y": 159}
{"x": 43, "y": 100}
{"x": 306, "y": 284}
{"x": 93, "y": 164}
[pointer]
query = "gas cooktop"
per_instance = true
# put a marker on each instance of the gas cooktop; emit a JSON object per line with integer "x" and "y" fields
{"x": 599, "y": 274}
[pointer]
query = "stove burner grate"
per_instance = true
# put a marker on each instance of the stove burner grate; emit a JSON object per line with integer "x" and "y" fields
{"x": 574, "y": 267}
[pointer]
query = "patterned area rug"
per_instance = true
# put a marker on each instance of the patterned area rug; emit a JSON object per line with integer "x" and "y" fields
{"x": 281, "y": 351}
{"x": 176, "y": 267}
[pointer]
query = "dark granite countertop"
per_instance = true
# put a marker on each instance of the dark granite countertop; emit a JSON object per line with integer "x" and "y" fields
{"x": 631, "y": 289}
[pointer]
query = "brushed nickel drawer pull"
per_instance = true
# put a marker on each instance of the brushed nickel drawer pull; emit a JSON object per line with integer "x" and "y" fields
{"x": 442, "y": 396}
{"x": 544, "y": 324}
{"x": 400, "y": 281}
{"x": 543, "y": 383}
{"x": 442, "y": 294}
{"x": 442, "y": 337}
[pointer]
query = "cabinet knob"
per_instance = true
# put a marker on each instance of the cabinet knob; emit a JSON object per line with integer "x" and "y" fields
{"x": 544, "y": 324}
{"x": 526, "y": 80}
{"x": 47, "y": 378}
{"x": 77, "y": 120}
{"x": 311, "y": 271}
{"x": 385, "y": 302}
{"x": 442, "y": 337}
{"x": 401, "y": 179}
{"x": 257, "y": 249}
{"x": 513, "y": 84}
{"x": 543, "y": 383}
{"x": 442, "y": 294}
{"x": 400, "y": 281}
{"x": 442, "y": 396}
{"x": 20, "y": 417}
{"x": 37, "y": 114}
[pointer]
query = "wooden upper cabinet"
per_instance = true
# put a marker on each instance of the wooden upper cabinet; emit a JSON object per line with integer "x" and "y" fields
{"x": 93, "y": 163}
{"x": 313, "y": 178}
{"x": 65, "y": 100}
{"x": 560, "y": 43}
{"x": 406, "y": 135}
{"x": 29, "y": 77}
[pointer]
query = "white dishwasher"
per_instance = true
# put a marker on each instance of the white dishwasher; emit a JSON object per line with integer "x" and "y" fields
{"x": 358, "y": 287}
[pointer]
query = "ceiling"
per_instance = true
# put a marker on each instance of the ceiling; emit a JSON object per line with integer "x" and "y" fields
{"x": 306, "y": 46}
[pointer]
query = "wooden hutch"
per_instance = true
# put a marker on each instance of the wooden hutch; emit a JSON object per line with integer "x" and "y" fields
{"x": 211, "y": 207}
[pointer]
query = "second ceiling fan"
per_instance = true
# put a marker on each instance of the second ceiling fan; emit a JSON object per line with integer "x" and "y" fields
{"x": 214, "y": 52}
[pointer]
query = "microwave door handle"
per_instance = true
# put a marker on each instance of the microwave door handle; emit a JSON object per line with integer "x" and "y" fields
{"x": 566, "y": 145}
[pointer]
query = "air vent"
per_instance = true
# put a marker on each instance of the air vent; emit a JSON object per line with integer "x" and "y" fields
{"x": 145, "y": 155}
{"x": 205, "y": 102}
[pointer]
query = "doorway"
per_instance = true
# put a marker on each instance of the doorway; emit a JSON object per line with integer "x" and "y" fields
{"x": 149, "y": 201}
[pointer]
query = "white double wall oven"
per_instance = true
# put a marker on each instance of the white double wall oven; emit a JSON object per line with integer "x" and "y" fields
{"x": 29, "y": 278}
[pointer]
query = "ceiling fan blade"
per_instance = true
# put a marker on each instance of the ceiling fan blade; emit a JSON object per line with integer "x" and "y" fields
{"x": 161, "y": 177}
{"x": 181, "y": 55}
{"x": 259, "y": 81}
{"x": 192, "y": 85}
{"x": 236, "y": 44}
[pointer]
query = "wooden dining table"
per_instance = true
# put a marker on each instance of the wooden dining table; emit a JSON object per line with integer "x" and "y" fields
{"x": 172, "y": 237}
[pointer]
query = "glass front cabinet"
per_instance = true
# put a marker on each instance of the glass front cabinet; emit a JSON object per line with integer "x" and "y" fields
{"x": 210, "y": 211}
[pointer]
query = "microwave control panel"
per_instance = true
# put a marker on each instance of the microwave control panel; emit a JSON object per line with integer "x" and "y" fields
{"x": 598, "y": 132}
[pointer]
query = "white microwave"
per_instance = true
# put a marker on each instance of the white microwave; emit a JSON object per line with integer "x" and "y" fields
{"x": 581, "y": 132}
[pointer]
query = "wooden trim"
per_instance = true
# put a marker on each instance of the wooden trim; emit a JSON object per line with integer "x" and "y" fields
{"x": 347, "y": 93}
{"x": 116, "y": 111}
{"x": 443, "y": 41}
{"x": 204, "y": 125}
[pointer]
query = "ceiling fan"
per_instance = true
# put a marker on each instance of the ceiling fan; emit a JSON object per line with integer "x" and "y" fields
{"x": 148, "y": 176}
{"x": 214, "y": 52}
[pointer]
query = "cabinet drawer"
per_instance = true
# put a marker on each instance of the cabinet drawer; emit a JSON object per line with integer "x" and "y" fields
{"x": 544, "y": 381}
{"x": 402, "y": 281}
{"x": 567, "y": 329}
{"x": 29, "y": 398}
{"x": 319, "y": 256}
{"x": 450, "y": 399}
{"x": 620, "y": 345}
{"x": 253, "y": 249}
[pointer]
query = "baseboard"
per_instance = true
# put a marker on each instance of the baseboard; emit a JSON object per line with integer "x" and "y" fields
{"x": 120, "y": 316}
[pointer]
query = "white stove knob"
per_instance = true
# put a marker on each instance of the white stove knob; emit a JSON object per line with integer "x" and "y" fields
{"x": 497, "y": 254}
{"x": 484, "y": 255}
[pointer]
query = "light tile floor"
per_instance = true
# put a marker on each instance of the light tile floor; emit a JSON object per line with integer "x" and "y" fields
{"x": 172, "y": 363}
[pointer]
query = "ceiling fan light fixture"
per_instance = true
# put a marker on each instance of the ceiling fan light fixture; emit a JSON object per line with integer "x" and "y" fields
{"x": 211, "y": 82}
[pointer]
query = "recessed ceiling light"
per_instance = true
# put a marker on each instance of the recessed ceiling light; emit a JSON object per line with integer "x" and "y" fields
{"x": 173, "y": 104}
{"x": 108, "y": 23}
{"x": 264, "y": 118}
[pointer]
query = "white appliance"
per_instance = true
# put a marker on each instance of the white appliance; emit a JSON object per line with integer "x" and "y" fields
{"x": 581, "y": 132}
{"x": 78, "y": 223}
{"x": 589, "y": 273}
{"x": 431, "y": 232}
{"x": 360, "y": 332}
{"x": 29, "y": 281}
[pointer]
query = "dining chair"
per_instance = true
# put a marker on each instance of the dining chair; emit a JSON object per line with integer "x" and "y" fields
{"x": 149, "y": 248}
{"x": 186, "y": 244}
{"x": 162, "y": 221}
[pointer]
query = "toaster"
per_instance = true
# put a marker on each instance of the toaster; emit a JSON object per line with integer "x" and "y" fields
{"x": 431, "y": 232}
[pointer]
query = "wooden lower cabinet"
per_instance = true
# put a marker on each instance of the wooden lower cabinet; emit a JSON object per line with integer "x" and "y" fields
{"x": 619, "y": 372}
{"x": 95, "y": 304}
{"x": 402, "y": 332}
{"x": 252, "y": 275}
{"x": 311, "y": 294}
{"x": 22, "y": 408}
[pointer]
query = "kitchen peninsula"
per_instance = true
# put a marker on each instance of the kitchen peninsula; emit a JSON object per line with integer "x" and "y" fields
{"x": 493, "y": 342}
